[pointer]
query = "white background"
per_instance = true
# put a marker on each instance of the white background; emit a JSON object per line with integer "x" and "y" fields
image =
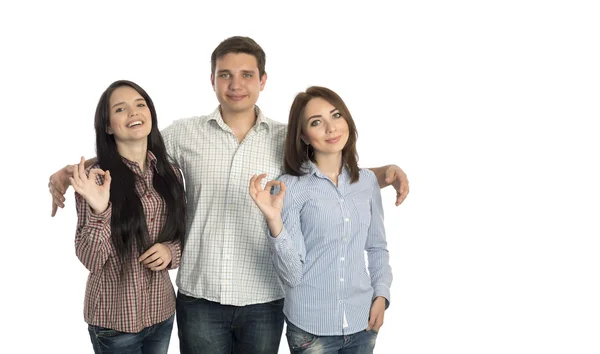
{"x": 489, "y": 106}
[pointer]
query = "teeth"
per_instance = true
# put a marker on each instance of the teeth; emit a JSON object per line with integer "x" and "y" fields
{"x": 137, "y": 122}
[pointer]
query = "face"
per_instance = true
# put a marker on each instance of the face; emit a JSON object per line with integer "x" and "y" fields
{"x": 323, "y": 127}
{"x": 130, "y": 117}
{"x": 237, "y": 83}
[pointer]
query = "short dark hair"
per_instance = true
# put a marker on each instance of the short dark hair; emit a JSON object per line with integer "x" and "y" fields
{"x": 238, "y": 44}
{"x": 297, "y": 152}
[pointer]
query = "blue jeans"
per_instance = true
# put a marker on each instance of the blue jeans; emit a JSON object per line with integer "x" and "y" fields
{"x": 208, "y": 327}
{"x": 151, "y": 340}
{"x": 299, "y": 341}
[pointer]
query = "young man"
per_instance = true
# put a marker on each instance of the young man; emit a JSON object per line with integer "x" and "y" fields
{"x": 229, "y": 298}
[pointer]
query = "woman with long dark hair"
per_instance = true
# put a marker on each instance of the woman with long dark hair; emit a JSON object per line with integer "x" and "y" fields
{"x": 325, "y": 216}
{"x": 131, "y": 222}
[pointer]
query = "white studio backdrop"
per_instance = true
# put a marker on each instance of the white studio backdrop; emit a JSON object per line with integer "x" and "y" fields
{"x": 488, "y": 106}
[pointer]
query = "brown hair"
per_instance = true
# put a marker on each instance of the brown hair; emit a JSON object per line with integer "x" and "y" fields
{"x": 297, "y": 152}
{"x": 239, "y": 44}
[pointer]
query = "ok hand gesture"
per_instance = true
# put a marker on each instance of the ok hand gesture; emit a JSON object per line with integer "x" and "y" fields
{"x": 270, "y": 205}
{"x": 97, "y": 196}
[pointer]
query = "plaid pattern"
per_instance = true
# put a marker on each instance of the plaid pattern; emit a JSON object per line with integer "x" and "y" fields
{"x": 226, "y": 257}
{"x": 144, "y": 297}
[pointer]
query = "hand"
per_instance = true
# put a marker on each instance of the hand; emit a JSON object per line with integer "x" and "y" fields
{"x": 376, "y": 315}
{"x": 156, "y": 258}
{"x": 397, "y": 178}
{"x": 97, "y": 196}
{"x": 58, "y": 185}
{"x": 270, "y": 205}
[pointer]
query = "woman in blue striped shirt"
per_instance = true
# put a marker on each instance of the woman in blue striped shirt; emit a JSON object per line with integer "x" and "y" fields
{"x": 323, "y": 215}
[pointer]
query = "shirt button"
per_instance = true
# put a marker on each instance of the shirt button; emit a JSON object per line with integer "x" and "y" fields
{"x": 346, "y": 219}
{"x": 342, "y": 280}
{"x": 342, "y": 259}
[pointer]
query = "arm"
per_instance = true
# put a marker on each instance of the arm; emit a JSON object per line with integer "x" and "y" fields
{"x": 378, "y": 258}
{"x": 92, "y": 238}
{"x": 392, "y": 174}
{"x": 286, "y": 239}
{"x": 59, "y": 183}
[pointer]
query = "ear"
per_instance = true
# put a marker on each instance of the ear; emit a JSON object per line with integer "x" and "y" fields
{"x": 109, "y": 131}
{"x": 212, "y": 81}
{"x": 263, "y": 81}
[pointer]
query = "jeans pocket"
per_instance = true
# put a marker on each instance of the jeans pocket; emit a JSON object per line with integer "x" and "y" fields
{"x": 104, "y": 332}
{"x": 298, "y": 339}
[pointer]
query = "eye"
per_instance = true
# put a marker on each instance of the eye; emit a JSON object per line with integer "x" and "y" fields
{"x": 248, "y": 75}
{"x": 120, "y": 109}
{"x": 315, "y": 122}
{"x": 337, "y": 115}
{"x": 141, "y": 105}
{"x": 224, "y": 76}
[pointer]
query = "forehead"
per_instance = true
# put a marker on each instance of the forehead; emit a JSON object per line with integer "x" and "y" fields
{"x": 236, "y": 61}
{"x": 318, "y": 105}
{"x": 124, "y": 93}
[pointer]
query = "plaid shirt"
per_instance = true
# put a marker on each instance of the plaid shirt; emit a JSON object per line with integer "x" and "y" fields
{"x": 226, "y": 257}
{"x": 145, "y": 297}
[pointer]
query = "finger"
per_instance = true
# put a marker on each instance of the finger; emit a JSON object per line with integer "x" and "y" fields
{"x": 107, "y": 180}
{"x": 257, "y": 182}
{"x": 148, "y": 252}
{"x": 57, "y": 197}
{"x": 76, "y": 176}
{"x": 54, "y": 208}
{"x": 82, "y": 168}
{"x": 75, "y": 185}
{"x": 155, "y": 263}
{"x": 94, "y": 172}
{"x": 160, "y": 267}
{"x": 271, "y": 184}
{"x": 252, "y": 187}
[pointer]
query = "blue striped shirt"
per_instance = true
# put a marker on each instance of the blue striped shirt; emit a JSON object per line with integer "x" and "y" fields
{"x": 320, "y": 253}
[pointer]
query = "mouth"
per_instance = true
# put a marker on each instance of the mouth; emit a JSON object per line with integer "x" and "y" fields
{"x": 236, "y": 97}
{"x": 135, "y": 123}
{"x": 333, "y": 140}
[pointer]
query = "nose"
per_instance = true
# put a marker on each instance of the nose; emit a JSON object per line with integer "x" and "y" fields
{"x": 331, "y": 127}
{"x": 133, "y": 112}
{"x": 235, "y": 82}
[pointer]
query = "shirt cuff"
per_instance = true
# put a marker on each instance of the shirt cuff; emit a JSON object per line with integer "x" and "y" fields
{"x": 99, "y": 219}
{"x": 383, "y": 291}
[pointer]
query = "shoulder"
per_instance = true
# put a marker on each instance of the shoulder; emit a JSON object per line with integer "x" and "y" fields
{"x": 367, "y": 177}
{"x": 276, "y": 127}
{"x": 183, "y": 124}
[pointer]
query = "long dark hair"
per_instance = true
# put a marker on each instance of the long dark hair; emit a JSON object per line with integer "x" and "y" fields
{"x": 297, "y": 152}
{"x": 128, "y": 221}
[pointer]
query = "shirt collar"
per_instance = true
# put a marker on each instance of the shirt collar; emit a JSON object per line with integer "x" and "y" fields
{"x": 310, "y": 168}
{"x": 261, "y": 120}
{"x": 150, "y": 162}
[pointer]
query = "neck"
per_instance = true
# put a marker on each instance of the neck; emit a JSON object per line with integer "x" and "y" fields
{"x": 239, "y": 122}
{"x": 329, "y": 164}
{"x": 134, "y": 151}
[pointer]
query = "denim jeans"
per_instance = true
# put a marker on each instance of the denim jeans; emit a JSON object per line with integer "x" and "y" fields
{"x": 299, "y": 341}
{"x": 211, "y": 328}
{"x": 151, "y": 340}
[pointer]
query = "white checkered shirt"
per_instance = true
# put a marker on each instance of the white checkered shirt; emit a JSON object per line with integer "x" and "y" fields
{"x": 226, "y": 257}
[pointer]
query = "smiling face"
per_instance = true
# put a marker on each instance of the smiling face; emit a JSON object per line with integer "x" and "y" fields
{"x": 324, "y": 127}
{"x": 237, "y": 83}
{"x": 130, "y": 117}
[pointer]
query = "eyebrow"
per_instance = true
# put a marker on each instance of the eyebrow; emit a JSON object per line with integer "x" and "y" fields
{"x": 137, "y": 99}
{"x": 318, "y": 115}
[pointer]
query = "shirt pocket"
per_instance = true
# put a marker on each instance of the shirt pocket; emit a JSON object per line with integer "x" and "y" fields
{"x": 362, "y": 207}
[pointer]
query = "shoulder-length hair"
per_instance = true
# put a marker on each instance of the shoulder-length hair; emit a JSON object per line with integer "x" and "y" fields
{"x": 297, "y": 152}
{"x": 129, "y": 229}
